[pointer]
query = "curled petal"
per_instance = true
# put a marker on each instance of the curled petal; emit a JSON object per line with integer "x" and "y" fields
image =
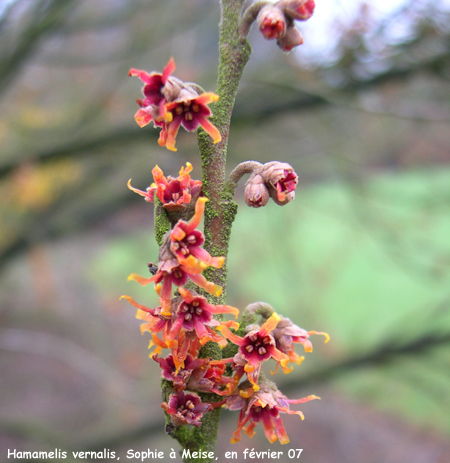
{"x": 327, "y": 336}
{"x": 142, "y": 117}
{"x": 141, "y": 280}
{"x": 269, "y": 325}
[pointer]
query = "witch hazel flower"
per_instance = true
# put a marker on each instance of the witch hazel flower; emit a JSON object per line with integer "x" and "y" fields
{"x": 254, "y": 349}
{"x": 171, "y": 103}
{"x": 186, "y": 408}
{"x": 194, "y": 313}
{"x": 186, "y": 240}
{"x": 158, "y": 89}
{"x": 196, "y": 375}
{"x": 190, "y": 110}
{"x": 179, "y": 376}
{"x": 264, "y": 406}
{"x": 174, "y": 193}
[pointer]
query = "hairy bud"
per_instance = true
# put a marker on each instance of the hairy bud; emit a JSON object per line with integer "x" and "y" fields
{"x": 271, "y": 22}
{"x": 256, "y": 193}
{"x": 301, "y": 10}
{"x": 293, "y": 38}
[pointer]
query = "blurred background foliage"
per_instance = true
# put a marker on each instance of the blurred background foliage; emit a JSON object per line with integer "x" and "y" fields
{"x": 362, "y": 113}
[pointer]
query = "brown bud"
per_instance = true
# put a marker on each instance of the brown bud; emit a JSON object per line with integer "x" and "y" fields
{"x": 256, "y": 193}
{"x": 293, "y": 38}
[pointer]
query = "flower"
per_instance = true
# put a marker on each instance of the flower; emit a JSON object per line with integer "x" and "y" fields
{"x": 271, "y": 22}
{"x": 156, "y": 94}
{"x": 186, "y": 408}
{"x": 281, "y": 181}
{"x": 264, "y": 405}
{"x": 256, "y": 347}
{"x": 179, "y": 376}
{"x": 194, "y": 313}
{"x": 185, "y": 240}
{"x": 189, "y": 110}
{"x": 169, "y": 103}
{"x": 155, "y": 320}
{"x": 174, "y": 193}
{"x": 196, "y": 374}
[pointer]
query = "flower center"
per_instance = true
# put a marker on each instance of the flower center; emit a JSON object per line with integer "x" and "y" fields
{"x": 258, "y": 344}
{"x": 191, "y": 310}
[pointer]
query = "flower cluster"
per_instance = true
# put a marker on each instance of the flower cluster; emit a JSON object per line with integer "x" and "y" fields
{"x": 276, "y": 21}
{"x": 185, "y": 320}
{"x": 171, "y": 103}
{"x": 174, "y": 193}
{"x": 264, "y": 405}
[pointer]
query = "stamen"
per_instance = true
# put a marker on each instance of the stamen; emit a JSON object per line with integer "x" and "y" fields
{"x": 189, "y": 116}
{"x": 190, "y": 405}
{"x": 262, "y": 350}
{"x": 177, "y": 273}
{"x": 249, "y": 348}
{"x": 191, "y": 239}
{"x": 195, "y": 108}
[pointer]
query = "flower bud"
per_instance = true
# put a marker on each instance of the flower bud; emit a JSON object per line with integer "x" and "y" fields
{"x": 280, "y": 180}
{"x": 256, "y": 193}
{"x": 293, "y": 38}
{"x": 300, "y": 10}
{"x": 271, "y": 22}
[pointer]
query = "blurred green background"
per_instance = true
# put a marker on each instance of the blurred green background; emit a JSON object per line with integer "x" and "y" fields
{"x": 361, "y": 111}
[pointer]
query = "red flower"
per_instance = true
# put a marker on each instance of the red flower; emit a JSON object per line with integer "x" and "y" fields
{"x": 169, "y": 103}
{"x": 194, "y": 313}
{"x": 264, "y": 405}
{"x": 179, "y": 376}
{"x": 189, "y": 110}
{"x": 256, "y": 347}
{"x": 186, "y": 240}
{"x": 174, "y": 193}
{"x": 153, "y": 105}
{"x": 154, "y": 318}
{"x": 186, "y": 408}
